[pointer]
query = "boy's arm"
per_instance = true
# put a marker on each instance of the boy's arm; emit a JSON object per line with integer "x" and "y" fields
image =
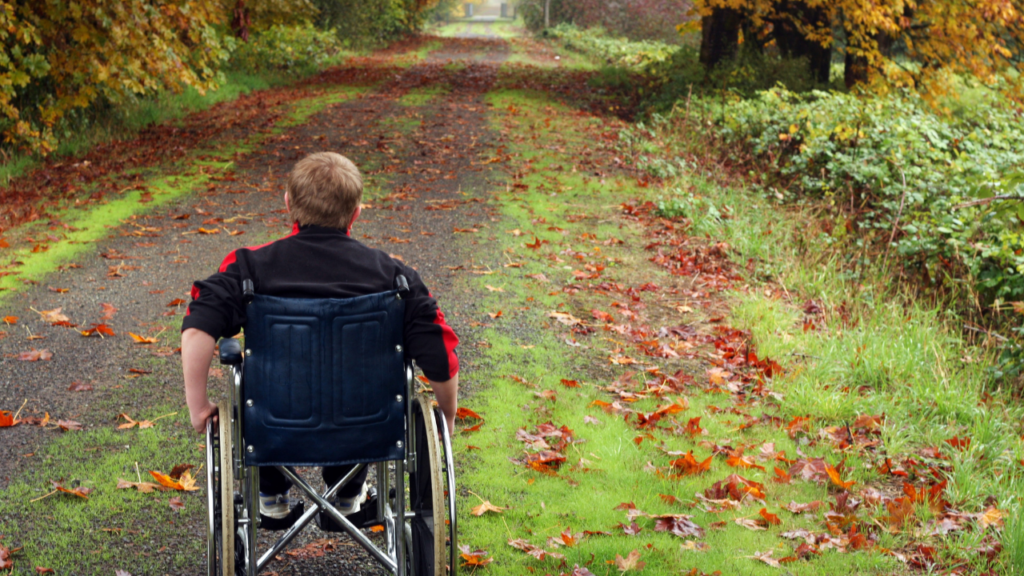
{"x": 447, "y": 395}
{"x": 196, "y": 356}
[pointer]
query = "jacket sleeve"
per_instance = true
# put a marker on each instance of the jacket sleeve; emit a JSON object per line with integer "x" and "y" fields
{"x": 216, "y": 306}
{"x": 429, "y": 339}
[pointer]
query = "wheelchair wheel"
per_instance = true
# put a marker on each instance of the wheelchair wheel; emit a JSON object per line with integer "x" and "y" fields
{"x": 431, "y": 545}
{"x": 221, "y": 497}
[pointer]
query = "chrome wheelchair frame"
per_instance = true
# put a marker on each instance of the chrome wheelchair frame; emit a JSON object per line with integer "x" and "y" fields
{"x": 233, "y": 491}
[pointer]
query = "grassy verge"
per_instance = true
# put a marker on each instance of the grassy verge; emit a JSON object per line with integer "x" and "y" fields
{"x": 857, "y": 353}
{"x": 164, "y": 184}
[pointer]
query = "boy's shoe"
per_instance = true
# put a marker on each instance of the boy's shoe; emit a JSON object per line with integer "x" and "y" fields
{"x": 351, "y": 505}
{"x": 276, "y": 506}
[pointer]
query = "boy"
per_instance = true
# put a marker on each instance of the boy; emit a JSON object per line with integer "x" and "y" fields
{"x": 319, "y": 259}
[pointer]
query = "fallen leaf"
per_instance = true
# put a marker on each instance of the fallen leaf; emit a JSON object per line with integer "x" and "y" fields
{"x": 108, "y": 311}
{"x": 144, "y": 487}
{"x": 176, "y": 302}
{"x": 42, "y": 570}
{"x": 142, "y": 339}
{"x": 68, "y": 425}
{"x": 495, "y": 315}
{"x": 991, "y": 517}
{"x": 34, "y": 355}
{"x": 475, "y": 558}
{"x": 766, "y": 558}
{"x": 6, "y": 420}
{"x": 485, "y": 508}
{"x": 464, "y": 413}
{"x": 769, "y": 517}
{"x": 79, "y": 386}
{"x": 570, "y": 383}
{"x": 101, "y": 329}
{"x": 54, "y": 316}
{"x": 186, "y": 483}
{"x": 630, "y": 562}
{"x": 175, "y": 503}
{"x": 10, "y": 320}
{"x": 833, "y": 475}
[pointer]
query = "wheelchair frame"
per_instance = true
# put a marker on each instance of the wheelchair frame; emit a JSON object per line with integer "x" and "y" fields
{"x": 234, "y": 519}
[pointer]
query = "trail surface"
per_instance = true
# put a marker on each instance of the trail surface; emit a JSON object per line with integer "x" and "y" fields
{"x": 418, "y": 132}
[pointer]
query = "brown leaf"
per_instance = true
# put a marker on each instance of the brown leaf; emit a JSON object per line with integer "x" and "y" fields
{"x": 79, "y": 386}
{"x": 69, "y": 425}
{"x": 180, "y": 469}
{"x": 54, "y": 316}
{"x": 630, "y": 562}
{"x": 678, "y": 524}
{"x": 108, "y": 311}
{"x": 175, "y": 503}
{"x": 142, "y": 339}
{"x": 144, "y": 487}
{"x": 464, "y": 413}
{"x": 766, "y": 558}
{"x": 485, "y": 508}
{"x": 41, "y": 570}
{"x": 475, "y": 558}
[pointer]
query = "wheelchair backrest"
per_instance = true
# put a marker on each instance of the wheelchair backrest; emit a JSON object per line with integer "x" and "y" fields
{"x": 324, "y": 380}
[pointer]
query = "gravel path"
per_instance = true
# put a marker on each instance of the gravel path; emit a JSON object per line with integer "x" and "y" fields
{"x": 427, "y": 180}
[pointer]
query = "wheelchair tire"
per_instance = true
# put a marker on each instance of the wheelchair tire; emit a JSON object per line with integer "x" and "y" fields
{"x": 224, "y": 496}
{"x": 427, "y": 486}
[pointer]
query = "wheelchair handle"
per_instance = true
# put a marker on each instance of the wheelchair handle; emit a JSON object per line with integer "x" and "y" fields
{"x": 248, "y": 292}
{"x": 402, "y": 285}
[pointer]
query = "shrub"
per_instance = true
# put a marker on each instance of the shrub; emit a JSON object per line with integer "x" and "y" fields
{"x": 914, "y": 176}
{"x": 300, "y": 48}
{"x": 633, "y": 19}
{"x": 595, "y": 42}
{"x": 361, "y": 24}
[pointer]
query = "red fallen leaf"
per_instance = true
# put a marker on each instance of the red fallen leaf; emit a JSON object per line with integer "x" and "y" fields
{"x": 669, "y": 499}
{"x": 959, "y": 443}
{"x": 209, "y": 230}
{"x": 475, "y": 428}
{"x": 693, "y": 427}
{"x": 475, "y": 558}
{"x": 602, "y": 316}
{"x": 689, "y": 466}
{"x": 139, "y": 371}
{"x": 463, "y": 413}
{"x": 42, "y": 570}
{"x": 631, "y": 529}
{"x": 625, "y": 506}
{"x": 568, "y": 538}
{"x": 6, "y": 421}
{"x": 178, "y": 470}
{"x": 9, "y": 320}
{"x": 833, "y": 475}
{"x": 80, "y": 491}
{"x": 678, "y": 524}
{"x": 536, "y": 243}
{"x": 185, "y": 483}
{"x": 101, "y": 329}
{"x": 175, "y": 503}
{"x": 570, "y": 383}
{"x": 34, "y": 355}
{"x": 495, "y": 315}
{"x": 64, "y": 324}
{"x": 742, "y": 462}
{"x": 471, "y": 447}
{"x": 176, "y": 302}
{"x": 781, "y": 477}
{"x": 58, "y": 290}
{"x": 769, "y": 517}
{"x": 79, "y": 386}
{"x": 142, "y": 339}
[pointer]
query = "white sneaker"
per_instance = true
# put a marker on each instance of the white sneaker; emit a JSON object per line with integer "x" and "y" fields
{"x": 351, "y": 505}
{"x": 276, "y": 506}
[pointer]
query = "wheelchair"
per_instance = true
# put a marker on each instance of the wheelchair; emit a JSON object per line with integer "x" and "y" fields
{"x": 325, "y": 382}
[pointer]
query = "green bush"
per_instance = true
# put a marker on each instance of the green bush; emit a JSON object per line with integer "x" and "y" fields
{"x": 916, "y": 175}
{"x": 362, "y": 24}
{"x": 302, "y": 49}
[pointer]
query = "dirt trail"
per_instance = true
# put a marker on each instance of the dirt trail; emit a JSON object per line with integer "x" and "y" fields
{"x": 424, "y": 159}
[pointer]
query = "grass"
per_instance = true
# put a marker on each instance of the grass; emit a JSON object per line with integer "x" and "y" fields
{"x": 165, "y": 184}
{"x": 502, "y": 29}
{"x": 65, "y": 532}
{"x": 607, "y": 468}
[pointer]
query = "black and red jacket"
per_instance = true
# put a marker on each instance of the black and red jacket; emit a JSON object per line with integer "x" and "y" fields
{"x": 320, "y": 262}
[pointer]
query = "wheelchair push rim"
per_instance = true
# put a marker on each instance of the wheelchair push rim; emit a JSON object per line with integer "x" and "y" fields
{"x": 220, "y": 495}
{"x": 428, "y": 486}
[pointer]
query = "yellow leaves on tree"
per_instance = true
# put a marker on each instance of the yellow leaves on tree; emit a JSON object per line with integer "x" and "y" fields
{"x": 89, "y": 49}
{"x": 886, "y": 44}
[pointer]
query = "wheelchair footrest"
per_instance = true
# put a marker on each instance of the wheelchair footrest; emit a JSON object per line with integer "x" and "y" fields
{"x": 285, "y": 523}
{"x": 366, "y": 517}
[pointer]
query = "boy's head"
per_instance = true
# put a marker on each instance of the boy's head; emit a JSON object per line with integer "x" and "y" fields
{"x": 324, "y": 189}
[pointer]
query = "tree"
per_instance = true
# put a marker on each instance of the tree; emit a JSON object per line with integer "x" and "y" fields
{"x": 60, "y": 55}
{"x": 886, "y": 43}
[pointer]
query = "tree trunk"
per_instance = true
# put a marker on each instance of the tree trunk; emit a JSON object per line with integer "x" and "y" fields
{"x": 547, "y": 13}
{"x": 856, "y": 70}
{"x": 793, "y": 44}
{"x": 240, "y": 21}
{"x": 720, "y": 35}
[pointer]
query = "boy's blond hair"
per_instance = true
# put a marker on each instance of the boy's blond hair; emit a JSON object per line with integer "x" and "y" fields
{"x": 324, "y": 189}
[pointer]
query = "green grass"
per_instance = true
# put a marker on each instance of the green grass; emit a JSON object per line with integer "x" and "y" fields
{"x": 423, "y": 95}
{"x": 70, "y": 534}
{"x": 523, "y": 343}
{"x": 502, "y": 29}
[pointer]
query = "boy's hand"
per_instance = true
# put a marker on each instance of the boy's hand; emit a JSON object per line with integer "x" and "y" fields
{"x": 200, "y": 415}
